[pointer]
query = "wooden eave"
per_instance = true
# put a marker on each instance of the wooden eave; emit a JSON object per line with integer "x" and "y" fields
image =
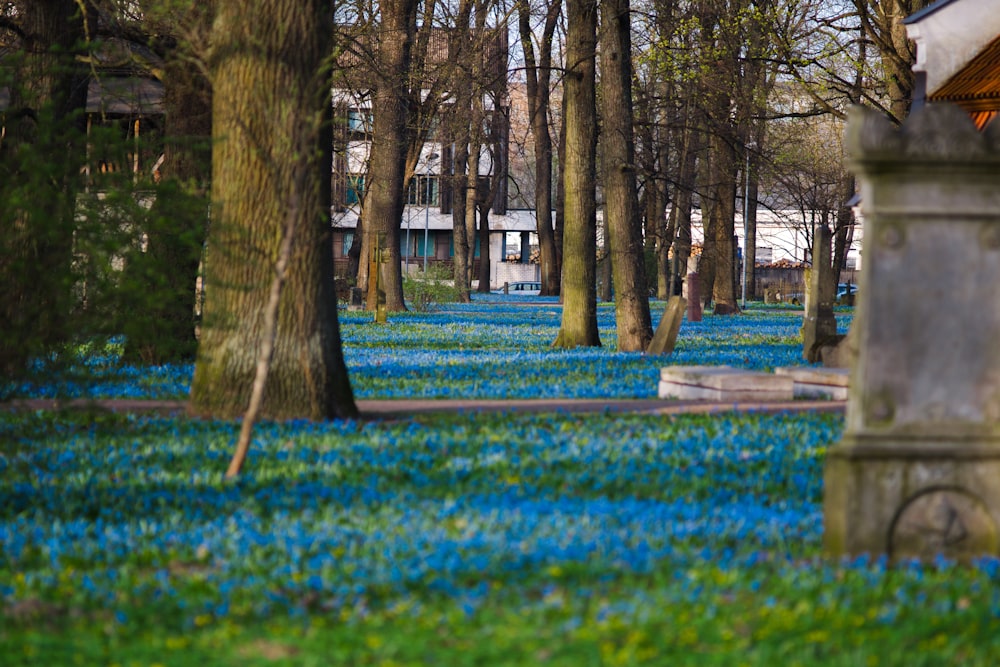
{"x": 976, "y": 87}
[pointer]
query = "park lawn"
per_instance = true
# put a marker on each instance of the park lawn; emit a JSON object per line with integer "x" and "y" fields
{"x": 486, "y": 539}
{"x": 464, "y": 539}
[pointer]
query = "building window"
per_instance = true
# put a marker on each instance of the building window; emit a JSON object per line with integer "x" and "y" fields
{"x": 421, "y": 248}
{"x": 424, "y": 191}
{"x": 359, "y": 121}
{"x": 355, "y": 189}
{"x": 348, "y": 242}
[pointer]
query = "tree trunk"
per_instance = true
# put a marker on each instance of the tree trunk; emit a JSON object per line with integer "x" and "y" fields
{"x": 664, "y": 134}
{"x": 537, "y": 78}
{"x": 272, "y": 143}
{"x": 460, "y": 187}
{"x": 843, "y": 229}
{"x": 579, "y": 315}
{"x": 43, "y": 151}
{"x": 484, "y": 247}
{"x": 750, "y": 243}
{"x": 385, "y": 198}
{"x": 754, "y": 90}
{"x": 559, "y": 226}
{"x": 355, "y": 267}
{"x": 621, "y": 208}
{"x": 718, "y": 41}
{"x": 723, "y": 216}
{"x": 660, "y": 227}
{"x": 680, "y": 212}
{"x": 707, "y": 195}
{"x": 471, "y": 202}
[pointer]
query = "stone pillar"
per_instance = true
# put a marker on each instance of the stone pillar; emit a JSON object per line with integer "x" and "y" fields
{"x": 819, "y": 326}
{"x": 694, "y": 298}
{"x": 918, "y": 471}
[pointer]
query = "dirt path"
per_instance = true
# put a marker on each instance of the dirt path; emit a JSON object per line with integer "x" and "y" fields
{"x": 373, "y": 409}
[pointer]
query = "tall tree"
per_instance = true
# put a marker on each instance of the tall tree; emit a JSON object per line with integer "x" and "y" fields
{"x": 658, "y": 104}
{"x": 461, "y": 181}
{"x": 385, "y": 196}
{"x": 538, "y": 75}
{"x": 723, "y": 26}
{"x": 464, "y": 178}
{"x": 41, "y": 155}
{"x": 882, "y": 23}
{"x": 754, "y": 89}
{"x": 579, "y": 314}
{"x": 621, "y": 208}
{"x": 272, "y": 136}
{"x": 689, "y": 148}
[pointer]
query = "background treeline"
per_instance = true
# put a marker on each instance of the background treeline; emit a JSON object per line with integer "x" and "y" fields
{"x": 105, "y": 208}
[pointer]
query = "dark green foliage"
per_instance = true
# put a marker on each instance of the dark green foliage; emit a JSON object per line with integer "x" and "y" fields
{"x": 158, "y": 297}
{"x": 92, "y": 254}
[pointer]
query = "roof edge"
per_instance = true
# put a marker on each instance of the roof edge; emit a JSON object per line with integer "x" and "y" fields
{"x": 926, "y": 11}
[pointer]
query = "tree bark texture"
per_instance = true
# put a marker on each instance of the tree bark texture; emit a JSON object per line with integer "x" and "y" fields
{"x": 484, "y": 246}
{"x": 723, "y": 213}
{"x": 579, "y": 315}
{"x": 750, "y": 249}
{"x": 621, "y": 208}
{"x": 272, "y": 142}
{"x": 385, "y": 198}
{"x": 460, "y": 184}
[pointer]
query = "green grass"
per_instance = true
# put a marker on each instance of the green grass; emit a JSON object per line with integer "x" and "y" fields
{"x": 496, "y": 539}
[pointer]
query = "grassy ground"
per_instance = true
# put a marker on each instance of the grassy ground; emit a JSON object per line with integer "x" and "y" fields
{"x": 490, "y": 539}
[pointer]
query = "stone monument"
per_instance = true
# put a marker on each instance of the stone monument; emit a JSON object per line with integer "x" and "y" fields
{"x": 665, "y": 337}
{"x": 917, "y": 473}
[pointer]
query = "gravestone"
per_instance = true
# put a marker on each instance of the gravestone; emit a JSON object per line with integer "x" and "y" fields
{"x": 819, "y": 326}
{"x": 807, "y": 285}
{"x": 356, "y": 299}
{"x": 694, "y": 298}
{"x": 665, "y": 337}
{"x": 917, "y": 473}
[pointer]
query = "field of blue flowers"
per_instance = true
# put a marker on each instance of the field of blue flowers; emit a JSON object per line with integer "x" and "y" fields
{"x": 490, "y": 349}
{"x": 456, "y": 539}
